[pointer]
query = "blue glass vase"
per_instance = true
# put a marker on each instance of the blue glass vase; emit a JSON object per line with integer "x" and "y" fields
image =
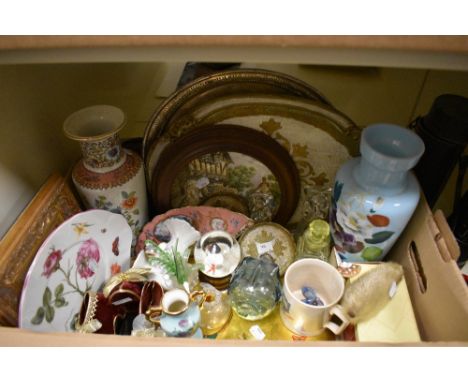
{"x": 375, "y": 195}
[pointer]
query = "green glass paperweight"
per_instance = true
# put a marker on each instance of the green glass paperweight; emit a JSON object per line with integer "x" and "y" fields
{"x": 255, "y": 287}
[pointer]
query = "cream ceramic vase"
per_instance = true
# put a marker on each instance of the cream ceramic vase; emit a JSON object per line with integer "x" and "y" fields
{"x": 108, "y": 177}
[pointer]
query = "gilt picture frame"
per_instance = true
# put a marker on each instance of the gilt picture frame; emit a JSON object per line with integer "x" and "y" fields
{"x": 53, "y": 204}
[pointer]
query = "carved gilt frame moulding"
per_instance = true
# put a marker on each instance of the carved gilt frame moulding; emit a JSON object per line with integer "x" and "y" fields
{"x": 53, "y": 204}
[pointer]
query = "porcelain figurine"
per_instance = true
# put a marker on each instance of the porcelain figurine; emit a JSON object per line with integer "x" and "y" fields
{"x": 169, "y": 261}
{"x": 160, "y": 257}
{"x": 375, "y": 195}
{"x": 107, "y": 177}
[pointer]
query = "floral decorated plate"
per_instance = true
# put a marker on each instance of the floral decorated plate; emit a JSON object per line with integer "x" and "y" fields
{"x": 79, "y": 256}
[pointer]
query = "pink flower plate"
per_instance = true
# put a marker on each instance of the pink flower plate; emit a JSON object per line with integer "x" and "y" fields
{"x": 203, "y": 218}
{"x": 79, "y": 256}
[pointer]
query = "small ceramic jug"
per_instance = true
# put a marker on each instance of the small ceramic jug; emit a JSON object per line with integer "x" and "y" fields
{"x": 179, "y": 313}
{"x": 255, "y": 287}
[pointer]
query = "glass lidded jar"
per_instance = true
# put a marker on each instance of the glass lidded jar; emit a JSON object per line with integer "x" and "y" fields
{"x": 315, "y": 241}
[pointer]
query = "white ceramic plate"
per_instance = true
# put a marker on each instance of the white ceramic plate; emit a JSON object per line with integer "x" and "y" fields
{"x": 80, "y": 255}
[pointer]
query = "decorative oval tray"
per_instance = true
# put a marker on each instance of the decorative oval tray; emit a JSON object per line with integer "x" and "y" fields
{"x": 79, "y": 256}
{"x": 211, "y": 87}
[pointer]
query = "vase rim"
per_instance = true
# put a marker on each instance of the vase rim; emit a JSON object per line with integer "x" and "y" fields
{"x": 391, "y": 146}
{"x": 94, "y": 123}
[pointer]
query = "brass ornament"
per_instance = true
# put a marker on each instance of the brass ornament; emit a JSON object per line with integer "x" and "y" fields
{"x": 133, "y": 275}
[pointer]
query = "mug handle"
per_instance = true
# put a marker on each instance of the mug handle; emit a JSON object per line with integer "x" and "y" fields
{"x": 337, "y": 310}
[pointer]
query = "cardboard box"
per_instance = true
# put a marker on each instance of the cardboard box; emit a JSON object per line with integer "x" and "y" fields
{"x": 427, "y": 251}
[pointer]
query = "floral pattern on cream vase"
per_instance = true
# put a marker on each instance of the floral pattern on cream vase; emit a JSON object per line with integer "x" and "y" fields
{"x": 127, "y": 207}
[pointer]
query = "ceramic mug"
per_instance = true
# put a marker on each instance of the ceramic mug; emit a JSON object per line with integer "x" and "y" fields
{"x": 297, "y": 312}
{"x": 179, "y": 313}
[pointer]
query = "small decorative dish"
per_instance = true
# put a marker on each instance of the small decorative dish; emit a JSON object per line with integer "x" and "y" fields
{"x": 270, "y": 238}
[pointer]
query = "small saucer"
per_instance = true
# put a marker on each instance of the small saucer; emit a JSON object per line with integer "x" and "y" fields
{"x": 270, "y": 238}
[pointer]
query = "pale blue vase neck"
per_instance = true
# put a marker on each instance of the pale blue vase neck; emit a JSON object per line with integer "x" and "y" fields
{"x": 388, "y": 153}
{"x": 379, "y": 181}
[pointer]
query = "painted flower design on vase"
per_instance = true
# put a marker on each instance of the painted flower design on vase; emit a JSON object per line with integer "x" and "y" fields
{"x": 128, "y": 207}
{"x": 113, "y": 153}
{"x": 115, "y": 269}
{"x": 357, "y": 226}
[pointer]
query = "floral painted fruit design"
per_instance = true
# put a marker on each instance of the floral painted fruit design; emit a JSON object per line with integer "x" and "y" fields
{"x": 76, "y": 258}
{"x": 359, "y": 230}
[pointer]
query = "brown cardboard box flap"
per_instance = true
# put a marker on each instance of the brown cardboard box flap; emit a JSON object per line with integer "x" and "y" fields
{"x": 427, "y": 251}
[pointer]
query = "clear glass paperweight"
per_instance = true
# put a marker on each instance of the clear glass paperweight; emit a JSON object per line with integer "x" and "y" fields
{"x": 255, "y": 287}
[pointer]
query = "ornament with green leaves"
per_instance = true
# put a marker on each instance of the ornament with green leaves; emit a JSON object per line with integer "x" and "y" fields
{"x": 172, "y": 261}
